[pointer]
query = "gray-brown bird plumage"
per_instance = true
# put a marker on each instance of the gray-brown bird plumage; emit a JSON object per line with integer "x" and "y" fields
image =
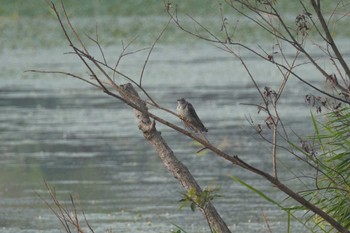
{"x": 189, "y": 116}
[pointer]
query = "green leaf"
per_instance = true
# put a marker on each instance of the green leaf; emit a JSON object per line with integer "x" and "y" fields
{"x": 193, "y": 206}
{"x": 261, "y": 194}
{"x": 180, "y": 229}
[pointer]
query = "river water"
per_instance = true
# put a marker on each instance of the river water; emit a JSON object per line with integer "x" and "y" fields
{"x": 86, "y": 144}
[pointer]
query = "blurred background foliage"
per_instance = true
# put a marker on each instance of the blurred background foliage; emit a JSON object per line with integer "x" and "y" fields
{"x": 31, "y": 24}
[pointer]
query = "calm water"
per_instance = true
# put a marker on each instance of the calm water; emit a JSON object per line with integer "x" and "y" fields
{"x": 86, "y": 144}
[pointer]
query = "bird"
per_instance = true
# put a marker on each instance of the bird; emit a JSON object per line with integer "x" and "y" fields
{"x": 189, "y": 116}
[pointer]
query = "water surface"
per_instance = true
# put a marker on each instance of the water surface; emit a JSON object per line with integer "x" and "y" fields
{"x": 86, "y": 144}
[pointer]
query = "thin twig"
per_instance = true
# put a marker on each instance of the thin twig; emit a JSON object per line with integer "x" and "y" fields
{"x": 96, "y": 41}
{"x": 151, "y": 50}
{"x": 234, "y": 159}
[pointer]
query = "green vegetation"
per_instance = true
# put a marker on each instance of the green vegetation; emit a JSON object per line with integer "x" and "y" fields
{"x": 82, "y": 8}
{"x": 327, "y": 202}
{"x": 332, "y": 146}
{"x": 31, "y": 24}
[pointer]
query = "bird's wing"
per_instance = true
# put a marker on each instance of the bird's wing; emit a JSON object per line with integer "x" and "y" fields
{"x": 195, "y": 116}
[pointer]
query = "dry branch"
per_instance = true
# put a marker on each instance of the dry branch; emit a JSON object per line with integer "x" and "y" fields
{"x": 127, "y": 94}
{"x": 176, "y": 167}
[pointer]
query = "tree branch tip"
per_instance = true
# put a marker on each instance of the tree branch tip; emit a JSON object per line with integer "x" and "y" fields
{"x": 200, "y": 150}
{"x": 146, "y": 120}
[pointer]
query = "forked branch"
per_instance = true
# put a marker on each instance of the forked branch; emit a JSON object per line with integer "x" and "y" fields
{"x": 128, "y": 95}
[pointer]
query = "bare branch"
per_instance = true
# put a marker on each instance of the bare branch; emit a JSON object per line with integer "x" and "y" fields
{"x": 66, "y": 74}
{"x": 329, "y": 37}
{"x": 97, "y": 42}
{"x": 128, "y": 95}
{"x": 150, "y": 52}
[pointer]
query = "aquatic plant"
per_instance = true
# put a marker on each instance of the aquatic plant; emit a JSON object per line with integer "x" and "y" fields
{"x": 326, "y": 156}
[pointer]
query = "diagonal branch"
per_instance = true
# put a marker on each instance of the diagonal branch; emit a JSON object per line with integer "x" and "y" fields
{"x": 330, "y": 41}
{"x": 129, "y": 96}
{"x": 175, "y": 166}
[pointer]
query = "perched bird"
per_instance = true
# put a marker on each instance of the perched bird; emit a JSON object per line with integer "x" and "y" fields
{"x": 189, "y": 116}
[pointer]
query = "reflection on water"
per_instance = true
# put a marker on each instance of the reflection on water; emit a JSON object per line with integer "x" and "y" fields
{"x": 84, "y": 143}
